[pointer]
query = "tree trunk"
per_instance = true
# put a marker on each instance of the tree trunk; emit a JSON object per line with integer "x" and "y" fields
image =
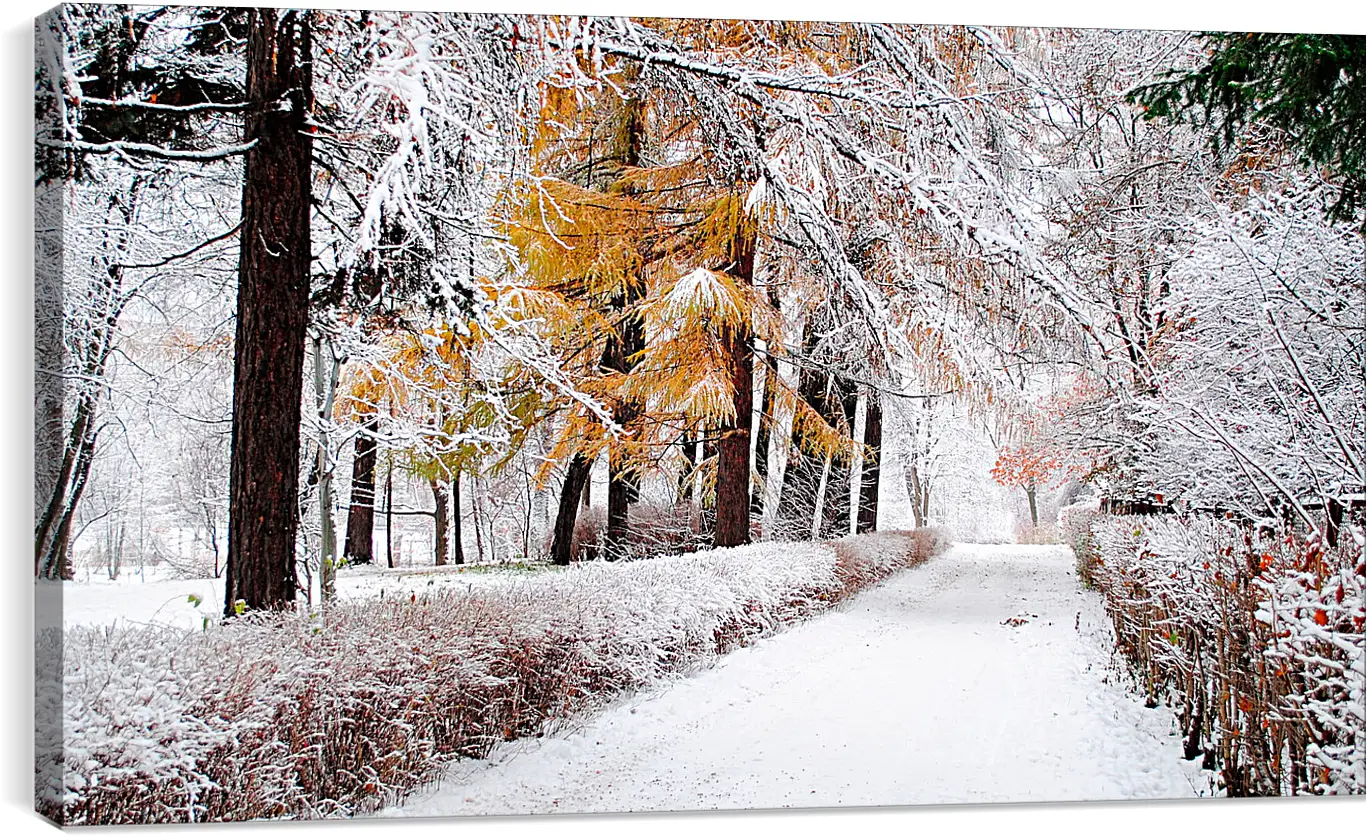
{"x": 762, "y": 434}
{"x": 389, "y": 513}
{"x": 873, "y": 455}
{"x": 1034, "y": 510}
{"x": 440, "y": 546}
{"x": 733, "y": 447}
{"x": 49, "y": 354}
{"x": 842, "y": 400}
{"x": 1333, "y": 521}
{"x": 562, "y": 536}
{"x": 914, "y": 490}
{"x": 687, "y": 478}
{"x": 272, "y": 313}
{"x": 54, "y": 528}
{"x": 799, "y": 496}
{"x": 477, "y": 519}
{"x": 627, "y": 339}
{"x": 616, "y": 539}
{"x": 622, "y": 488}
{"x": 72, "y": 468}
{"x": 325, "y": 390}
{"x": 457, "y": 544}
{"x": 360, "y": 526}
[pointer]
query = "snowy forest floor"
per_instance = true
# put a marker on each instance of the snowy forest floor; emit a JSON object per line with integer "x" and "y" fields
{"x": 985, "y": 675}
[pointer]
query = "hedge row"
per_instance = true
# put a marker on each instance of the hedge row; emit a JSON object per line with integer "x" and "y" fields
{"x": 329, "y": 715}
{"x": 1254, "y": 636}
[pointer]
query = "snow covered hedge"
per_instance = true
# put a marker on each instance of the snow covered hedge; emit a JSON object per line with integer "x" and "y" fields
{"x": 1256, "y": 636}
{"x": 323, "y": 715}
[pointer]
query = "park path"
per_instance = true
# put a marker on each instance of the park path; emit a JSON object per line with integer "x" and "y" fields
{"x": 981, "y": 676}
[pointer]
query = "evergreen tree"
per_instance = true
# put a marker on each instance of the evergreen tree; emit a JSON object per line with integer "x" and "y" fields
{"x": 1310, "y": 87}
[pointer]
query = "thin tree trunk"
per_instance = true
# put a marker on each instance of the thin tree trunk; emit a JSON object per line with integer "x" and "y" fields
{"x": 50, "y": 541}
{"x": 914, "y": 481}
{"x": 325, "y": 390}
{"x": 576, "y": 483}
{"x": 842, "y": 400}
{"x": 760, "y": 454}
{"x": 457, "y": 544}
{"x": 684, "y": 490}
{"x": 272, "y": 313}
{"x": 872, "y": 465}
{"x": 820, "y": 503}
{"x": 52, "y": 534}
{"x": 440, "y": 545}
{"x": 389, "y": 513}
{"x": 49, "y": 345}
{"x": 705, "y": 449}
{"x": 360, "y": 527}
{"x": 856, "y": 486}
{"x": 477, "y": 518}
{"x": 799, "y": 499}
{"x": 1034, "y": 510}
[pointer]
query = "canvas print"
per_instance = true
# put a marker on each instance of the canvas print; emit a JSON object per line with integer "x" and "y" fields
{"x": 469, "y": 414}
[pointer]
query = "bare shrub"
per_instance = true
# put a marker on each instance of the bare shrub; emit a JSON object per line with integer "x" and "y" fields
{"x": 653, "y": 530}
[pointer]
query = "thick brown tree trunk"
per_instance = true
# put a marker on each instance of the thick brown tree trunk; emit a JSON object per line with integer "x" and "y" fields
{"x": 562, "y": 535}
{"x": 440, "y": 546}
{"x": 616, "y": 540}
{"x": 873, "y": 449}
{"x": 733, "y": 446}
{"x": 733, "y": 449}
{"x": 618, "y": 357}
{"x": 272, "y": 313}
{"x": 360, "y": 523}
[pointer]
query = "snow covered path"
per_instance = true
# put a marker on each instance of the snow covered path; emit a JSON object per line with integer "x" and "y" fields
{"x": 919, "y": 691}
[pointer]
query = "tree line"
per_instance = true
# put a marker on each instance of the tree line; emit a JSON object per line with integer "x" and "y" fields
{"x": 713, "y": 254}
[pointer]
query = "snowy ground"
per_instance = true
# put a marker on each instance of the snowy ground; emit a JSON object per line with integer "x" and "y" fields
{"x": 924, "y": 690}
{"x": 153, "y": 596}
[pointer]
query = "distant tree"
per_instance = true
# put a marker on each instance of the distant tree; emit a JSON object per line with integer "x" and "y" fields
{"x": 1028, "y": 468}
{"x": 1309, "y": 86}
